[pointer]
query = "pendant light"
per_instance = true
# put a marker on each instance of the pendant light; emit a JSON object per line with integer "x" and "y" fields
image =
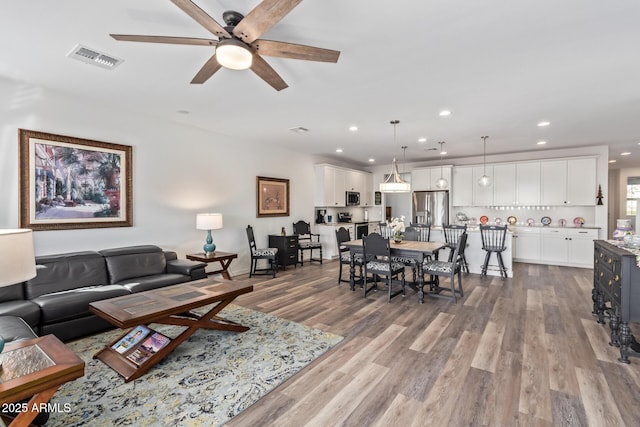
{"x": 485, "y": 180}
{"x": 441, "y": 183}
{"x": 394, "y": 183}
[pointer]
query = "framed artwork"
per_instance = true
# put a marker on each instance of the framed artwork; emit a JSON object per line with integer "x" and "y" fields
{"x": 67, "y": 183}
{"x": 272, "y": 197}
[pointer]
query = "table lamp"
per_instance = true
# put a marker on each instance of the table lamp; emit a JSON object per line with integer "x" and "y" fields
{"x": 209, "y": 221}
{"x": 17, "y": 259}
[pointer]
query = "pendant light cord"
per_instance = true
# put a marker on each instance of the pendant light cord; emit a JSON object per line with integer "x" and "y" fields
{"x": 484, "y": 157}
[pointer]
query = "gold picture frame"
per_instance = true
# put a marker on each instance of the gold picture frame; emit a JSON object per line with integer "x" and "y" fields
{"x": 272, "y": 197}
{"x": 70, "y": 183}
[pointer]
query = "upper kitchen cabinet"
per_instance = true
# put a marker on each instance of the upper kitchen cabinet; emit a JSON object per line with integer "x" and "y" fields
{"x": 462, "y": 186}
{"x": 516, "y": 184}
{"x": 570, "y": 182}
{"x": 332, "y": 183}
{"x": 425, "y": 179}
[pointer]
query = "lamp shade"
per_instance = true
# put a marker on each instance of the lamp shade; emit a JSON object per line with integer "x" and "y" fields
{"x": 17, "y": 258}
{"x": 209, "y": 221}
{"x": 233, "y": 54}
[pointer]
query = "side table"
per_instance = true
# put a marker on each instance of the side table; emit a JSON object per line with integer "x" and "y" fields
{"x": 224, "y": 258}
{"x": 36, "y": 368}
{"x": 287, "y": 249}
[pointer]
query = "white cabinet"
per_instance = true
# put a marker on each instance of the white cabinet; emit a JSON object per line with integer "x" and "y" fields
{"x": 568, "y": 182}
{"x": 504, "y": 185}
{"x": 332, "y": 182}
{"x": 568, "y": 246}
{"x": 482, "y": 196}
{"x": 328, "y": 239}
{"x": 528, "y": 183}
{"x": 425, "y": 179}
{"x": 526, "y": 244}
{"x": 462, "y": 186}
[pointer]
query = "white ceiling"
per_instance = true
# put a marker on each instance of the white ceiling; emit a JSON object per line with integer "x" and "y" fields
{"x": 500, "y": 66}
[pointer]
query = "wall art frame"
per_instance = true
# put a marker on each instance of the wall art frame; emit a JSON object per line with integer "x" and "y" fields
{"x": 72, "y": 183}
{"x": 272, "y": 197}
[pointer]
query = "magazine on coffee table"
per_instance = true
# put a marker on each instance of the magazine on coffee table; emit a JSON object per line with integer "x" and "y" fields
{"x": 130, "y": 340}
{"x": 148, "y": 348}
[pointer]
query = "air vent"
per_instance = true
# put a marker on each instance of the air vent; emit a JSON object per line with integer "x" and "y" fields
{"x": 94, "y": 57}
{"x": 299, "y": 129}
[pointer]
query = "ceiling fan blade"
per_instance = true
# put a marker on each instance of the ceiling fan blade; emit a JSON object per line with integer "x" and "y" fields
{"x": 262, "y": 17}
{"x": 165, "y": 39}
{"x": 294, "y": 51}
{"x": 201, "y": 17}
{"x": 268, "y": 74}
{"x": 207, "y": 70}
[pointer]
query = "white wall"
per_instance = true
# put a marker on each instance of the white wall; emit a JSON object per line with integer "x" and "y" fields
{"x": 178, "y": 171}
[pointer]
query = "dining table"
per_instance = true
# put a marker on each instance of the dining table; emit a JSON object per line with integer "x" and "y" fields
{"x": 406, "y": 249}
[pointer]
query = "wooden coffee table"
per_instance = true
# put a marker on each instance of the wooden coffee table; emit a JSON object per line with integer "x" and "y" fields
{"x": 35, "y": 368}
{"x": 171, "y": 305}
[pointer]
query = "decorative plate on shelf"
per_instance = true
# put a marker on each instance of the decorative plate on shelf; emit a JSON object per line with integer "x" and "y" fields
{"x": 545, "y": 220}
{"x": 512, "y": 220}
{"x": 578, "y": 221}
{"x": 473, "y": 222}
{"x": 498, "y": 221}
{"x": 562, "y": 222}
{"x": 484, "y": 219}
{"x": 530, "y": 221}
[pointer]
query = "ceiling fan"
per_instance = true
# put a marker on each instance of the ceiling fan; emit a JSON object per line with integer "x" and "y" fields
{"x": 238, "y": 45}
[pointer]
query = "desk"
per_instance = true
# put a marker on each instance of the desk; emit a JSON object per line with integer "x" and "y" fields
{"x": 224, "y": 258}
{"x": 406, "y": 248}
{"x": 37, "y": 368}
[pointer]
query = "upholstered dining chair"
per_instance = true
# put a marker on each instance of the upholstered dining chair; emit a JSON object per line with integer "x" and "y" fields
{"x": 413, "y": 234}
{"x": 343, "y": 235}
{"x": 377, "y": 254}
{"x": 307, "y": 241}
{"x": 452, "y": 233}
{"x": 436, "y": 268}
{"x": 268, "y": 254}
{"x": 493, "y": 241}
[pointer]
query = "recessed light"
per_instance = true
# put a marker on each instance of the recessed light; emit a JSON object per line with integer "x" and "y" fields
{"x": 372, "y": 160}
{"x": 443, "y": 153}
{"x": 423, "y": 139}
{"x": 541, "y": 142}
{"x": 299, "y": 129}
{"x": 182, "y": 112}
{"x": 445, "y": 113}
{"x": 543, "y": 124}
{"x": 612, "y": 161}
{"x": 626, "y": 153}
{"x": 338, "y": 150}
{"x": 353, "y": 128}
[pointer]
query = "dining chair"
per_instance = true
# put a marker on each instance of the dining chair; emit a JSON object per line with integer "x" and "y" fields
{"x": 412, "y": 234}
{"x": 385, "y": 230}
{"x": 268, "y": 254}
{"x": 493, "y": 241}
{"x": 424, "y": 231}
{"x": 452, "y": 234}
{"x": 436, "y": 268}
{"x": 343, "y": 235}
{"x": 377, "y": 255}
{"x": 307, "y": 241}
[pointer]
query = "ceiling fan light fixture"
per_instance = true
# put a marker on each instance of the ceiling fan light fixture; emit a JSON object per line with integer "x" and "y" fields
{"x": 233, "y": 54}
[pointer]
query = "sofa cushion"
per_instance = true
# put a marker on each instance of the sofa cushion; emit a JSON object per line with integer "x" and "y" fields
{"x": 134, "y": 261}
{"x": 145, "y": 283}
{"x": 63, "y": 272}
{"x": 59, "y": 306}
{"x": 27, "y": 310}
{"x": 13, "y": 292}
{"x": 13, "y": 328}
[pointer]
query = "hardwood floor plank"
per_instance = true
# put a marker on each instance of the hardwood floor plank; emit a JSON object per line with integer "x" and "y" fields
{"x": 372, "y": 349}
{"x": 427, "y": 339}
{"x": 400, "y": 413}
{"x": 486, "y": 356}
{"x": 504, "y": 386}
{"x": 599, "y": 337}
{"x": 599, "y": 403}
{"x": 621, "y": 380}
{"x": 567, "y": 410}
{"x": 562, "y": 377}
{"x": 474, "y": 298}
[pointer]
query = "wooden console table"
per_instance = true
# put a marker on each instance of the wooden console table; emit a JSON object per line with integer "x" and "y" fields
{"x": 224, "y": 258}
{"x": 171, "y": 306}
{"x": 35, "y": 368}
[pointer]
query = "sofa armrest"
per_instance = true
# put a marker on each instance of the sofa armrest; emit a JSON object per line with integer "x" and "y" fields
{"x": 194, "y": 269}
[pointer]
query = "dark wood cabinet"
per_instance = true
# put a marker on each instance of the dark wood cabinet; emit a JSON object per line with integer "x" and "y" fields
{"x": 287, "y": 249}
{"x": 616, "y": 291}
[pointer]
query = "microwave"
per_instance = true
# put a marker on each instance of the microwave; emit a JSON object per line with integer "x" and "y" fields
{"x": 353, "y": 198}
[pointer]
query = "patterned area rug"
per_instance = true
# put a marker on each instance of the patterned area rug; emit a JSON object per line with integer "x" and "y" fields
{"x": 204, "y": 382}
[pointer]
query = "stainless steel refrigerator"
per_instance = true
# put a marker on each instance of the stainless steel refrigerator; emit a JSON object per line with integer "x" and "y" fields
{"x": 431, "y": 207}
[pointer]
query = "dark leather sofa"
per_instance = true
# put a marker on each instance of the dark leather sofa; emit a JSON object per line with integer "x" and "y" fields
{"x": 56, "y": 301}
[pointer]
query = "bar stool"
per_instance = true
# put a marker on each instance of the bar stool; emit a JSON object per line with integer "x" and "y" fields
{"x": 452, "y": 234}
{"x": 493, "y": 241}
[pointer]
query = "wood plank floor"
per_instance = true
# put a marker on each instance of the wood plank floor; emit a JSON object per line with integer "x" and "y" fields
{"x": 524, "y": 351}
